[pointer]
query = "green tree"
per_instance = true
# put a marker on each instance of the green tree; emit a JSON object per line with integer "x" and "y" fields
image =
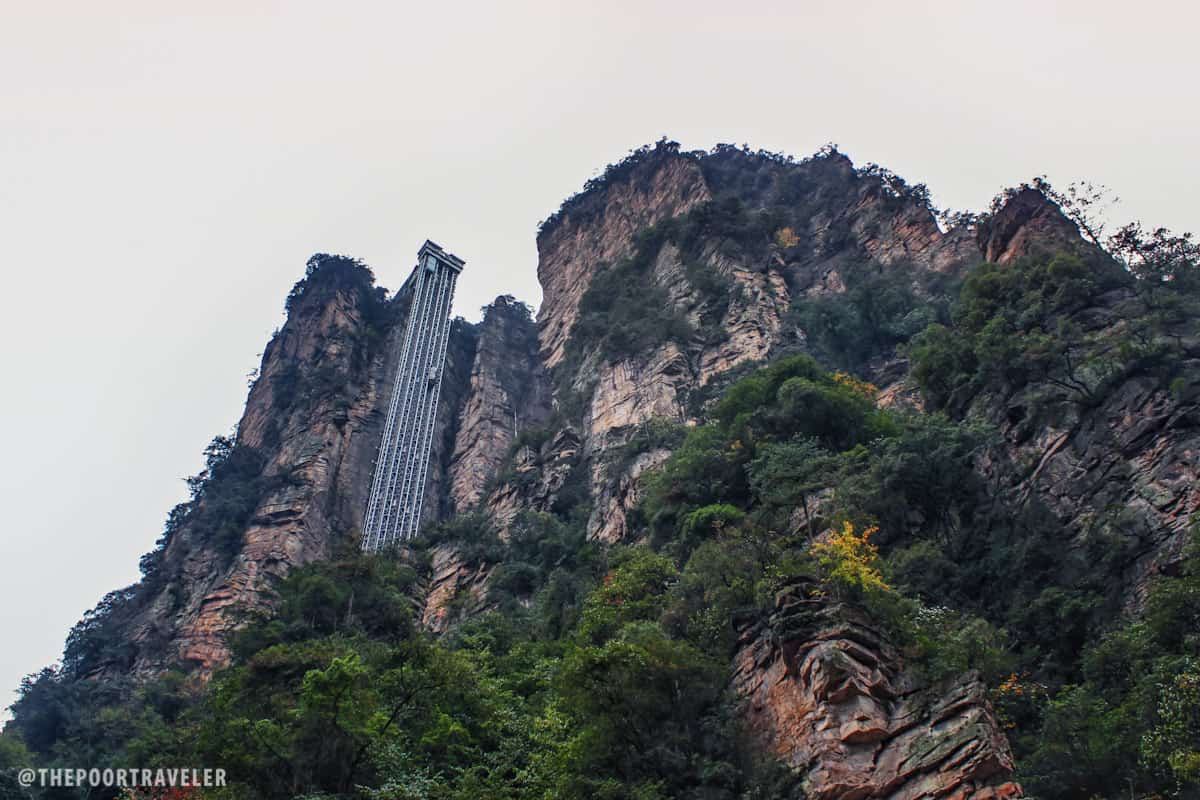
{"x": 787, "y": 474}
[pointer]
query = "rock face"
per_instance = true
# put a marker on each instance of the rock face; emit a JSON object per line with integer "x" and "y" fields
{"x": 1126, "y": 467}
{"x": 454, "y": 587}
{"x": 539, "y": 476}
{"x": 508, "y": 392}
{"x": 830, "y": 218}
{"x": 314, "y": 416}
{"x": 618, "y": 494}
{"x": 598, "y": 227}
{"x": 826, "y": 693}
{"x": 1027, "y": 222}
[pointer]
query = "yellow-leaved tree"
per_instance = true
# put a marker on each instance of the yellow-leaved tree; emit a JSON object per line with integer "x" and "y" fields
{"x": 786, "y": 237}
{"x": 849, "y": 562}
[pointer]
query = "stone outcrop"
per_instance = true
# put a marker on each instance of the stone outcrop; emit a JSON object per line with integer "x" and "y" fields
{"x": 835, "y": 216}
{"x": 826, "y": 693}
{"x": 315, "y": 415}
{"x": 454, "y": 588}
{"x": 619, "y": 493}
{"x": 508, "y": 392}
{"x": 1028, "y": 222}
{"x": 1127, "y": 467}
{"x": 752, "y": 326}
{"x": 538, "y": 478}
{"x": 598, "y": 228}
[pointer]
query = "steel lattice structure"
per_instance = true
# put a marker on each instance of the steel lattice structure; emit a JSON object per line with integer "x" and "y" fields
{"x": 401, "y": 468}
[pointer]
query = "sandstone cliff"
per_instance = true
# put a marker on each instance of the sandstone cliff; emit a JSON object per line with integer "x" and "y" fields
{"x": 832, "y": 698}
{"x": 314, "y": 416}
{"x": 311, "y": 431}
{"x": 598, "y": 227}
{"x": 315, "y": 413}
{"x": 508, "y": 392}
{"x": 813, "y": 221}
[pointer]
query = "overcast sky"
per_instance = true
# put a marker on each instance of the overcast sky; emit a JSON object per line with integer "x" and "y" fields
{"x": 165, "y": 175}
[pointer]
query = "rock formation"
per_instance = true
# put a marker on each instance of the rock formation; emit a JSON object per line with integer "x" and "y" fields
{"x": 508, "y": 392}
{"x": 315, "y": 414}
{"x": 598, "y": 226}
{"x": 532, "y": 415}
{"x": 829, "y": 695}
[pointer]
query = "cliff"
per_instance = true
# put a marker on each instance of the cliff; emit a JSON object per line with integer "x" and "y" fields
{"x": 665, "y": 281}
{"x": 313, "y": 420}
{"x": 507, "y": 392}
{"x": 753, "y": 234}
{"x": 832, "y": 698}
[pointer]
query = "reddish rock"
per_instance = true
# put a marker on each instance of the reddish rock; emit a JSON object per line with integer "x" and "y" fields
{"x": 1027, "y": 223}
{"x": 828, "y": 695}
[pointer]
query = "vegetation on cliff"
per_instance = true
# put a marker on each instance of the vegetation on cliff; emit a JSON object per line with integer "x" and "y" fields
{"x": 584, "y": 670}
{"x": 604, "y": 674}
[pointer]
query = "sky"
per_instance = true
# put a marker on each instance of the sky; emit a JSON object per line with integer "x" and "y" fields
{"x": 165, "y": 174}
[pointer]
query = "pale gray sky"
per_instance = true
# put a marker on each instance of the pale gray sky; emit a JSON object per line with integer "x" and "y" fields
{"x": 165, "y": 174}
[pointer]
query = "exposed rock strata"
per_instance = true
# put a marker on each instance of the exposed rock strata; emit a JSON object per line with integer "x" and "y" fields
{"x": 618, "y": 494}
{"x": 832, "y": 699}
{"x": 454, "y": 588}
{"x": 538, "y": 478}
{"x": 1027, "y": 223}
{"x": 837, "y": 217}
{"x": 1127, "y": 468}
{"x": 601, "y": 231}
{"x": 508, "y": 392}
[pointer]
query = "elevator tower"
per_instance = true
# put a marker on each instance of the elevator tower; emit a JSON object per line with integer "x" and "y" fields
{"x": 402, "y": 466}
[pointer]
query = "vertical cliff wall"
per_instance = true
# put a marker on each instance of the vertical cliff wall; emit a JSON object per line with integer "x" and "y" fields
{"x": 311, "y": 426}
{"x": 508, "y": 391}
{"x": 597, "y": 227}
{"x": 726, "y": 242}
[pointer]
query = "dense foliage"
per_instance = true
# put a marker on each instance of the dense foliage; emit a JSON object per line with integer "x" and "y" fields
{"x": 879, "y": 311}
{"x": 337, "y": 692}
{"x": 1067, "y": 326}
{"x": 1132, "y": 718}
{"x": 602, "y": 672}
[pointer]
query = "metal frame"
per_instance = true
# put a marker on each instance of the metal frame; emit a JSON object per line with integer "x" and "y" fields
{"x": 402, "y": 466}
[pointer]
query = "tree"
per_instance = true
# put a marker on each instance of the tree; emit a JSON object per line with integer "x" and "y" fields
{"x": 642, "y": 697}
{"x": 850, "y": 562}
{"x": 13, "y": 756}
{"x": 787, "y": 474}
{"x": 1175, "y": 741}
